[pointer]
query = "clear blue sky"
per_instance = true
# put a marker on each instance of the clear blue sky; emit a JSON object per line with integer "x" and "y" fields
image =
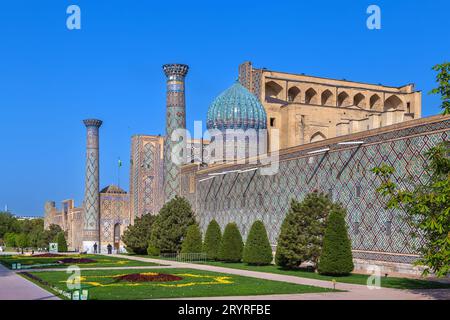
{"x": 52, "y": 78}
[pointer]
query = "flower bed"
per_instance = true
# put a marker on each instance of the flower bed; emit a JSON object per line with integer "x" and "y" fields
{"x": 76, "y": 261}
{"x": 48, "y": 255}
{"x": 148, "y": 277}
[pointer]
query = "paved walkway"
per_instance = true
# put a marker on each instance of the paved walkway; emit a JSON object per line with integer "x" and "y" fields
{"x": 14, "y": 287}
{"x": 353, "y": 291}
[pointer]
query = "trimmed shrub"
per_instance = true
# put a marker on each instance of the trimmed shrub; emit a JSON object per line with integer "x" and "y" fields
{"x": 231, "y": 246}
{"x": 171, "y": 225}
{"x": 213, "y": 237}
{"x": 336, "y": 258}
{"x": 193, "y": 241}
{"x": 152, "y": 250}
{"x": 257, "y": 250}
{"x": 137, "y": 236}
{"x": 302, "y": 231}
{"x": 61, "y": 240}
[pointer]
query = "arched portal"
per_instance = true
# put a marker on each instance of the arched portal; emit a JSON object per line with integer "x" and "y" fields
{"x": 311, "y": 96}
{"x": 327, "y": 98}
{"x": 318, "y": 136}
{"x": 294, "y": 94}
{"x": 343, "y": 99}
{"x": 273, "y": 90}
{"x": 117, "y": 236}
{"x": 393, "y": 102}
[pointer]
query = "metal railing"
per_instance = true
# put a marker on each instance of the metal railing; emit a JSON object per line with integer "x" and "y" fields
{"x": 185, "y": 257}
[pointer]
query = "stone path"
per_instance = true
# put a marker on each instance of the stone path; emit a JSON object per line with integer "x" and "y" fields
{"x": 353, "y": 291}
{"x": 14, "y": 287}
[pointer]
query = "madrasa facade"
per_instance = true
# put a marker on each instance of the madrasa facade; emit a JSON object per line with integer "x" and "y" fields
{"x": 315, "y": 134}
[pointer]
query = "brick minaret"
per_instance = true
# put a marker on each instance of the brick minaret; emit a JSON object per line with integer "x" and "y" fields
{"x": 91, "y": 204}
{"x": 175, "y": 119}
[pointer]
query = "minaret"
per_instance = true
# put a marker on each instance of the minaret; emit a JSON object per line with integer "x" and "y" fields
{"x": 91, "y": 204}
{"x": 175, "y": 119}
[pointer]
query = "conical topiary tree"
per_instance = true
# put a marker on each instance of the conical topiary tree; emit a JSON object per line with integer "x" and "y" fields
{"x": 231, "y": 245}
{"x": 302, "y": 231}
{"x": 336, "y": 258}
{"x": 192, "y": 243}
{"x": 213, "y": 237}
{"x": 171, "y": 226}
{"x": 257, "y": 250}
{"x": 61, "y": 241}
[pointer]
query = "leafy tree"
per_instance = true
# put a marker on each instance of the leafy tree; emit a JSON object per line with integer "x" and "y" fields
{"x": 10, "y": 239}
{"x": 8, "y": 224}
{"x": 443, "y": 79}
{"x": 336, "y": 257}
{"x": 171, "y": 225}
{"x": 427, "y": 208}
{"x": 193, "y": 241}
{"x": 257, "y": 250}
{"x": 137, "y": 236}
{"x": 231, "y": 246}
{"x": 213, "y": 236}
{"x": 21, "y": 240}
{"x": 49, "y": 235}
{"x": 302, "y": 231}
{"x": 61, "y": 241}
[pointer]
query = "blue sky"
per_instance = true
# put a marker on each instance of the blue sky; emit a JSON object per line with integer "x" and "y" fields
{"x": 52, "y": 78}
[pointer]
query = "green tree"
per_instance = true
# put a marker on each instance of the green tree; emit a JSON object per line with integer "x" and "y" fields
{"x": 302, "y": 231}
{"x": 257, "y": 250}
{"x": 443, "y": 89}
{"x": 61, "y": 241}
{"x": 336, "y": 257}
{"x": 427, "y": 208}
{"x": 8, "y": 224}
{"x": 192, "y": 243}
{"x": 213, "y": 237}
{"x": 10, "y": 239}
{"x": 137, "y": 236}
{"x": 231, "y": 246}
{"x": 171, "y": 225}
{"x": 49, "y": 235}
{"x": 21, "y": 240}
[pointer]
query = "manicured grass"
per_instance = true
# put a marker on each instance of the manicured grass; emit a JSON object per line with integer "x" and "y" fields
{"x": 387, "y": 282}
{"x": 100, "y": 261}
{"x": 104, "y": 286}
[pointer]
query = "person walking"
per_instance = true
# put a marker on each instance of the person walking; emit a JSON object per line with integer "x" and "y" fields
{"x": 95, "y": 247}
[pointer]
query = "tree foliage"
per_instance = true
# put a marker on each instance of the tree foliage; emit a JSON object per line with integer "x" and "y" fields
{"x": 257, "y": 250}
{"x": 443, "y": 89}
{"x": 192, "y": 243}
{"x": 137, "y": 236}
{"x": 213, "y": 237}
{"x": 302, "y": 231}
{"x": 231, "y": 246}
{"x": 61, "y": 241}
{"x": 336, "y": 257}
{"x": 171, "y": 225}
{"x": 427, "y": 207}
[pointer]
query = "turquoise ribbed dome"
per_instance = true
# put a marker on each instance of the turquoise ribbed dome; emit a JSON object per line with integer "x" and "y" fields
{"x": 236, "y": 108}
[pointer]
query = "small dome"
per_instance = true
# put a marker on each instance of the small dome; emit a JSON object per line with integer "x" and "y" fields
{"x": 113, "y": 189}
{"x": 236, "y": 108}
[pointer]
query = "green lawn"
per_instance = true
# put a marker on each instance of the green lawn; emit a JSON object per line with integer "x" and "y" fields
{"x": 100, "y": 261}
{"x": 104, "y": 286}
{"x": 387, "y": 282}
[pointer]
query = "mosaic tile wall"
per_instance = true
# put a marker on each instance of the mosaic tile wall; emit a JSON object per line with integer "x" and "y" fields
{"x": 344, "y": 172}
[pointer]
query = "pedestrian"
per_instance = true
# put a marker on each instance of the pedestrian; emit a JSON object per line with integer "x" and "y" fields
{"x": 95, "y": 247}
{"x": 109, "y": 248}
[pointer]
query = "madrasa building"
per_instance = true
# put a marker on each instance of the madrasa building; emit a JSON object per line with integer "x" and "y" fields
{"x": 318, "y": 133}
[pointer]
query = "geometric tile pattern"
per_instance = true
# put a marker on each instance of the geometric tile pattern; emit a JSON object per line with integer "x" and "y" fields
{"x": 91, "y": 194}
{"x": 343, "y": 172}
{"x": 175, "y": 119}
{"x": 146, "y": 176}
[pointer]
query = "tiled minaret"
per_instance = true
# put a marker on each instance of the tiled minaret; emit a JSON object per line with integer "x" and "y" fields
{"x": 175, "y": 119}
{"x": 91, "y": 204}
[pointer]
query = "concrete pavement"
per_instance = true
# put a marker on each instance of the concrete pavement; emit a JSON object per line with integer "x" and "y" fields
{"x": 14, "y": 287}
